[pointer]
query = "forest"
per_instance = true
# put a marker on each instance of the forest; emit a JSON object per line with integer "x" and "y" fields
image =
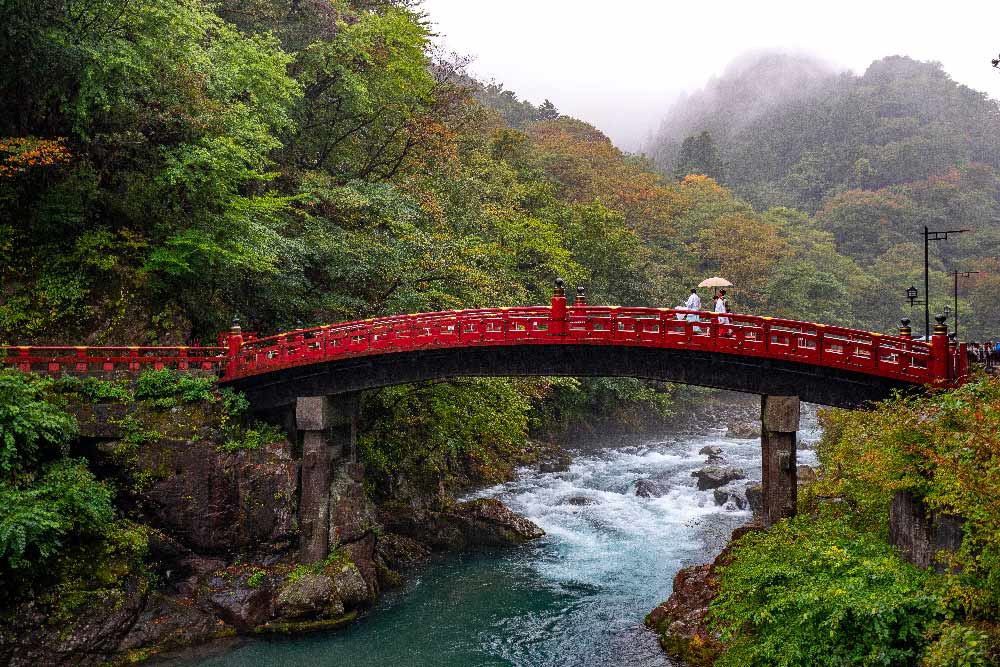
{"x": 168, "y": 165}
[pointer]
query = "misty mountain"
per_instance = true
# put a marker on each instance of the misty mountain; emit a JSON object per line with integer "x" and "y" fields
{"x": 791, "y": 130}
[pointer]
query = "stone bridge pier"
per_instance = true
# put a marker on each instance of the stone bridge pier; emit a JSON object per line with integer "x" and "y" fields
{"x": 779, "y": 417}
{"x": 328, "y": 426}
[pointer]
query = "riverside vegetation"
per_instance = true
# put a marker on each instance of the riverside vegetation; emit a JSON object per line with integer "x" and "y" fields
{"x": 165, "y": 165}
{"x": 826, "y": 588}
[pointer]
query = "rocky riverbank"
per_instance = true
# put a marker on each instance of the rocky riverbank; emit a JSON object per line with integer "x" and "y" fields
{"x": 222, "y": 555}
{"x": 681, "y": 622}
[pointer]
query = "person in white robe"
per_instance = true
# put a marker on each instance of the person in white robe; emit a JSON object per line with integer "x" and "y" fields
{"x": 693, "y": 303}
{"x": 721, "y": 306}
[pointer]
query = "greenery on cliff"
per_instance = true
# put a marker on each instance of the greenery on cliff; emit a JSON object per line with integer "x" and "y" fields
{"x": 826, "y": 588}
{"x": 63, "y": 540}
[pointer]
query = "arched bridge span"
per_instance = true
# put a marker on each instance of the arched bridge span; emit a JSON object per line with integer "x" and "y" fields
{"x": 819, "y": 363}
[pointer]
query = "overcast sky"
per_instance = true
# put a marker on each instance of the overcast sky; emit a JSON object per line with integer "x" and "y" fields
{"x": 619, "y": 64}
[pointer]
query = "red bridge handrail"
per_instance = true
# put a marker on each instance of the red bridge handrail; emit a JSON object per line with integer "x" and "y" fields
{"x": 732, "y": 333}
{"x": 893, "y": 357}
{"x": 109, "y": 359}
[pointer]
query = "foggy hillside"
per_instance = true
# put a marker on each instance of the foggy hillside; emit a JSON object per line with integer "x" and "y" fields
{"x": 751, "y": 86}
{"x": 789, "y": 130}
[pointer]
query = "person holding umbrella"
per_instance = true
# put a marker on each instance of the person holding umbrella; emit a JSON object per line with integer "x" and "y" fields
{"x": 721, "y": 303}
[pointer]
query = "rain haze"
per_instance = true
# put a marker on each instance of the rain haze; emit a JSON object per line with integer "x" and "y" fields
{"x": 621, "y": 65}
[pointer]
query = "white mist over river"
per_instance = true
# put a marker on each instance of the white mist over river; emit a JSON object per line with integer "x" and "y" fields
{"x": 576, "y": 597}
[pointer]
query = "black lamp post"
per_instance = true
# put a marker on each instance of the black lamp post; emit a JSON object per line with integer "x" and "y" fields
{"x": 928, "y": 237}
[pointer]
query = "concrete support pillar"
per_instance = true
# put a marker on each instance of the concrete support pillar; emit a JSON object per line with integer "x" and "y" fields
{"x": 329, "y": 429}
{"x": 779, "y": 416}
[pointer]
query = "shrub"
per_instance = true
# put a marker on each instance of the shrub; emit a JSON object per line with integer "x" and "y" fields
{"x": 255, "y": 579}
{"x": 817, "y": 592}
{"x": 100, "y": 391}
{"x": 945, "y": 449}
{"x": 65, "y": 505}
{"x": 161, "y": 386}
{"x": 252, "y": 437}
{"x": 959, "y": 646}
{"x": 31, "y": 428}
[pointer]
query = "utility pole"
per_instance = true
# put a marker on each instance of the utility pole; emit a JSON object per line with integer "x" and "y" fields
{"x": 928, "y": 237}
{"x": 956, "y": 274}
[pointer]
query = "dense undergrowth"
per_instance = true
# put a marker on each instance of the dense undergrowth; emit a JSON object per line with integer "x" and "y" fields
{"x": 826, "y": 588}
{"x": 70, "y": 530}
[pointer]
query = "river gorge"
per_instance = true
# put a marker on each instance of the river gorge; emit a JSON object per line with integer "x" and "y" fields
{"x": 577, "y": 596}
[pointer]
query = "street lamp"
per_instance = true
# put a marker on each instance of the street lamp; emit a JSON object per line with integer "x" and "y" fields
{"x": 928, "y": 237}
{"x": 911, "y": 297}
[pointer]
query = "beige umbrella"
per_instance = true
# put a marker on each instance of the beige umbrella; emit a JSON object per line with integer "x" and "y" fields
{"x": 715, "y": 281}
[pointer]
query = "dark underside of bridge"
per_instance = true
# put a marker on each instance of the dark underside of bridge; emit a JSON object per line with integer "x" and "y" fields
{"x": 815, "y": 384}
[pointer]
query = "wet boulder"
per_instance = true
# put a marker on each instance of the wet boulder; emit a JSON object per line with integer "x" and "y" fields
{"x": 713, "y": 476}
{"x": 350, "y": 586}
{"x": 755, "y": 497}
{"x": 726, "y": 496}
{"x": 308, "y": 596}
{"x": 743, "y": 430}
{"x": 400, "y": 552}
{"x": 485, "y": 522}
{"x": 805, "y": 473}
{"x": 579, "y": 501}
{"x": 681, "y": 621}
{"x": 647, "y": 488}
{"x": 243, "y": 607}
{"x": 559, "y": 463}
{"x": 488, "y": 522}
{"x": 710, "y": 450}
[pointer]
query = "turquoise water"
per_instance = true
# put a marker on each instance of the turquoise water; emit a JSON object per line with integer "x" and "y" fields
{"x": 576, "y": 597}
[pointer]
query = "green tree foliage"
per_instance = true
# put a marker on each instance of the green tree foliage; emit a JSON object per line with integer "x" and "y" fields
{"x": 698, "y": 155}
{"x": 458, "y": 432}
{"x": 875, "y": 157}
{"x": 819, "y": 593}
{"x": 32, "y": 429}
{"x": 54, "y": 513}
{"x": 66, "y": 502}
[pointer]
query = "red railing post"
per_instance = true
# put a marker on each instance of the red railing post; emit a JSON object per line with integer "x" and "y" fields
{"x": 557, "y": 316}
{"x": 939, "y": 351}
{"x": 234, "y": 341}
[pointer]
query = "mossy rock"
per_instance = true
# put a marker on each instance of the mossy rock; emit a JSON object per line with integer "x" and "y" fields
{"x": 287, "y": 628}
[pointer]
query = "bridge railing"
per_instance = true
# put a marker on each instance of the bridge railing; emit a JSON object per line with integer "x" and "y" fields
{"x": 82, "y": 360}
{"x": 732, "y": 333}
{"x": 562, "y": 324}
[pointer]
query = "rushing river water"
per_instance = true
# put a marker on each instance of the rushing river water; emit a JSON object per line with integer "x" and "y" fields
{"x": 576, "y": 597}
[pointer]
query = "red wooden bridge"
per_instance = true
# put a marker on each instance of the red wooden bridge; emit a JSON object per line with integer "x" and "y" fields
{"x": 759, "y": 344}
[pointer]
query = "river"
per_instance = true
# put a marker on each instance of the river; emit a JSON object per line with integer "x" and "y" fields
{"x": 576, "y": 597}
